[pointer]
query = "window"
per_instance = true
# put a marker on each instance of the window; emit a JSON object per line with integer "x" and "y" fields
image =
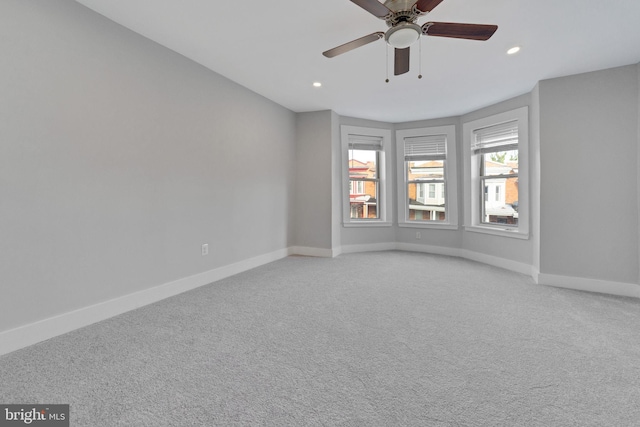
{"x": 364, "y": 172}
{"x": 495, "y": 149}
{"x": 357, "y": 188}
{"x": 363, "y": 178}
{"x": 432, "y": 191}
{"x": 496, "y": 184}
{"x": 427, "y": 177}
{"x": 420, "y": 193}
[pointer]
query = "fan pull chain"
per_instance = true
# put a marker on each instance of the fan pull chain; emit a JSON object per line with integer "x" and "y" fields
{"x": 420, "y": 58}
{"x": 386, "y": 64}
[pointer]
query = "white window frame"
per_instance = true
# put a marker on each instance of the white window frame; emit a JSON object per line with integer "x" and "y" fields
{"x": 450, "y": 172}
{"x": 384, "y": 185}
{"x": 473, "y": 198}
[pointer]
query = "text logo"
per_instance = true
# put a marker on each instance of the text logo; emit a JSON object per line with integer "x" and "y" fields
{"x": 34, "y": 415}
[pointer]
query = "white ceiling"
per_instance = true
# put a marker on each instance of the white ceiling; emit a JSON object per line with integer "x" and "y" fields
{"x": 274, "y": 47}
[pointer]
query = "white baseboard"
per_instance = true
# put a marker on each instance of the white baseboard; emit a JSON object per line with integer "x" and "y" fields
{"x": 507, "y": 264}
{"x": 33, "y": 333}
{"x": 309, "y": 251}
{"x": 429, "y": 249}
{"x": 578, "y": 283}
{"x": 371, "y": 247}
{"x": 589, "y": 285}
{"x": 535, "y": 274}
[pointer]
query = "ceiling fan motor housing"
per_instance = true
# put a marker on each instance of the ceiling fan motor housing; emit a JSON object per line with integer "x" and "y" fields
{"x": 401, "y": 11}
{"x": 399, "y": 5}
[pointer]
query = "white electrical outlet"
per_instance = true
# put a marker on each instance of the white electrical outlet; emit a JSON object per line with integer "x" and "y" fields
{"x": 418, "y": 235}
{"x": 205, "y": 249}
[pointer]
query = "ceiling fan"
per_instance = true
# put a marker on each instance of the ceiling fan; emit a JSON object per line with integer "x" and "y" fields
{"x": 401, "y": 17}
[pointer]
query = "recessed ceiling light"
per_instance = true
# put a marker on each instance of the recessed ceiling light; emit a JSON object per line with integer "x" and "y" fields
{"x": 513, "y": 50}
{"x": 317, "y": 84}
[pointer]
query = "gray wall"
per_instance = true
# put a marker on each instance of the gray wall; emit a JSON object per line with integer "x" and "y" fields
{"x": 336, "y": 188}
{"x": 314, "y": 180}
{"x": 589, "y": 166}
{"x": 119, "y": 158}
{"x": 534, "y": 152}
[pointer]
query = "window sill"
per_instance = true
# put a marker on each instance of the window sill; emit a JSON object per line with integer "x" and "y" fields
{"x": 433, "y": 225}
{"x": 498, "y": 231}
{"x": 375, "y": 223}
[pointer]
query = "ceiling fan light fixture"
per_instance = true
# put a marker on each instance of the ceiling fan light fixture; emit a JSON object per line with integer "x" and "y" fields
{"x": 403, "y": 35}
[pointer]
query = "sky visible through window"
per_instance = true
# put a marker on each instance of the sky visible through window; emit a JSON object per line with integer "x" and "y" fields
{"x": 363, "y": 156}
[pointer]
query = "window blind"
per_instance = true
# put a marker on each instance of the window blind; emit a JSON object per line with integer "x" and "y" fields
{"x": 502, "y": 137}
{"x": 364, "y": 142}
{"x": 432, "y": 147}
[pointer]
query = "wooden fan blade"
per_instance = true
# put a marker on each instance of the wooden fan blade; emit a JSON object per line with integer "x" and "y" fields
{"x": 459, "y": 31}
{"x": 374, "y": 7}
{"x": 353, "y": 44}
{"x": 401, "y": 61}
{"x": 427, "y": 5}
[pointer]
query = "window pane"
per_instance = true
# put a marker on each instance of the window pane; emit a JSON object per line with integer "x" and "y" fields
{"x": 364, "y": 204}
{"x": 426, "y": 198}
{"x": 501, "y": 163}
{"x": 425, "y": 205}
{"x": 432, "y": 191}
{"x": 503, "y": 207}
{"x": 363, "y": 164}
